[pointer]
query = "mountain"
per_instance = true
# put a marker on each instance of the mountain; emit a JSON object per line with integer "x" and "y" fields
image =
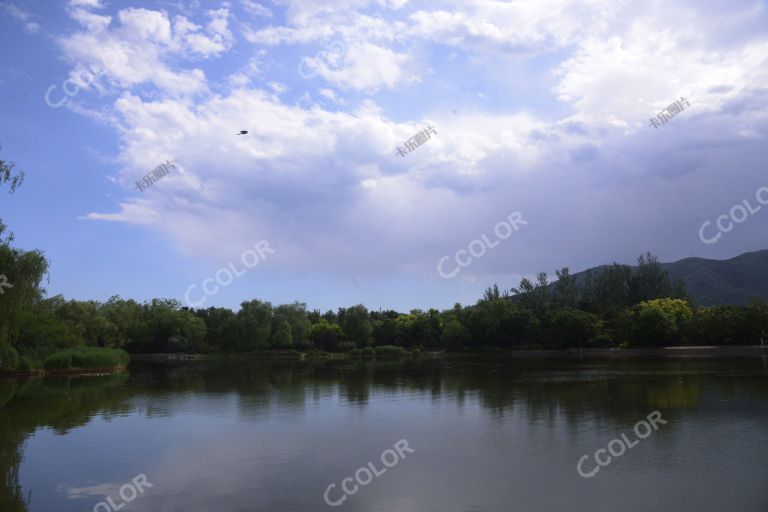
{"x": 738, "y": 280}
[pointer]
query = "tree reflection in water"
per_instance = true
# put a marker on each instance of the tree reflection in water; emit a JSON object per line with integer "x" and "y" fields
{"x": 618, "y": 391}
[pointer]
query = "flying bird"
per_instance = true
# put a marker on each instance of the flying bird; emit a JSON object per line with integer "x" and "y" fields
{"x": 242, "y": 132}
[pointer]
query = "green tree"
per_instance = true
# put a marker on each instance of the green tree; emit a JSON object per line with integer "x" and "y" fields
{"x": 296, "y": 316}
{"x": 326, "y": 336}
{"x": 427, "y": 328}
{"x": 611, "y": 288}
{"x": 357, "y": 325}
{"x": 756, "y": 317}
{"x": 283, "y": 339}
{"x": 491, "y": 293}
{"x": 314, "y": 316}
{"x": 167, "y": 328}
{"x": 21, "y": 273}
{"x": 566, "y": 292}
{"x": 89, "y": 322}
{"x": 650, "y": 280}
{"x": 128, "y": 318}
{"x": 220, "y": 327}
{"x": 253, "y": 326}
{"x": 455, "y": 335}
{"x": 720, "y": 325}
{"x": 384, "y": 332}
{"x": 14, "y": 177}
{"x": 572, "y": 328}
{"x": 677, "y": 308}
{"x": 533, "y": 296}
{"x": 41, "y": 331}
{"x": 655, "y": 327}
{"x": 404, "y": 330}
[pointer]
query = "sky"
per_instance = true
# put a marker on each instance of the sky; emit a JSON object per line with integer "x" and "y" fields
{"x": 551, "y": 133}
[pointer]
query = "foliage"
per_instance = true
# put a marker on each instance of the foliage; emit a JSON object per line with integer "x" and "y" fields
{"x": 85, "y": 358}
{"x": 655, "y": 327}
{"x": 357, "y": 325}
{"x": 572, "y": 328}
{"x": 326, "y": 336}
{"x": 677, "y": 308}
{"x": 601, "y": 341}
{"x": 24, "y": 270}
{"x": 9, "y": 174}
{"x": 9, "y": 358}
{"x": 252, "y": 330}
{"x": 390, "y": 352}
{"x": 616, "y": 303}
{"x": 455, "y": 336}
{"x": 296, "y": 316}
{"x": 283, "y": 338}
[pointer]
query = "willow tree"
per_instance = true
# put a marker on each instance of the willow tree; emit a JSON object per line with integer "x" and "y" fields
{"x": 9, "y": 174}
{"x": 21, "y": 272}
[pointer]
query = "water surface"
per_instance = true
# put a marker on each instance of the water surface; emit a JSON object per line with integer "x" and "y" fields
{"x": 506, "y": 436}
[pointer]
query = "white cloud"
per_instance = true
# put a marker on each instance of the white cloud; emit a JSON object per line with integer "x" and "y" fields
{"x": 23, "y": 16}
{"x": 145, "y": 25}
{"x": 331, "y": 95}
{"x": 628, "y": 79}
{"x": 137, "y": 49}
{"x": 93, "y": 22}
{"x": 364, "y": 67}
{"x": 256, "y": 8}
{"x": 277, "y": 87}
{"x": 291, "y": 35}
{"x": 327, "y": 187}
{"x": 136, "y": 212}
{"x": 93, "y": 4}
{"x": 514, "y": 26}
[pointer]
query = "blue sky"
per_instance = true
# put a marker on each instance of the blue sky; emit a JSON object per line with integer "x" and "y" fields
{"x": 540, "y": 108}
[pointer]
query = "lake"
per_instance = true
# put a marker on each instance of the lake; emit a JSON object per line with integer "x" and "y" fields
{"x": 525, "y": 434}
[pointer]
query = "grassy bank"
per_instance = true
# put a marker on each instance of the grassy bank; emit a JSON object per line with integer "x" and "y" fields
{"x": 71, "y": 360}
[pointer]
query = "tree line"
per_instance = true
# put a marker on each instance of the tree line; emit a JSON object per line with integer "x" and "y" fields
{"x": 614, "y": 306}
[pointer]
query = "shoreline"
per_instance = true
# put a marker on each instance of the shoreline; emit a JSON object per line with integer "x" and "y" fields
{"x": 649, "y": 352}
{"x": 75, "y": 372}
{"x": 711, "y": 352}
{"x": 673, "y": 351}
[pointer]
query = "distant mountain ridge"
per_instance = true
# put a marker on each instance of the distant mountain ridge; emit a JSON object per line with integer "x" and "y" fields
{"x": 737, "y": 280}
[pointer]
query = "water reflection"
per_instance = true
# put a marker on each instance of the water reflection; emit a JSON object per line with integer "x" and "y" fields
{"x": 233, "y": 413}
